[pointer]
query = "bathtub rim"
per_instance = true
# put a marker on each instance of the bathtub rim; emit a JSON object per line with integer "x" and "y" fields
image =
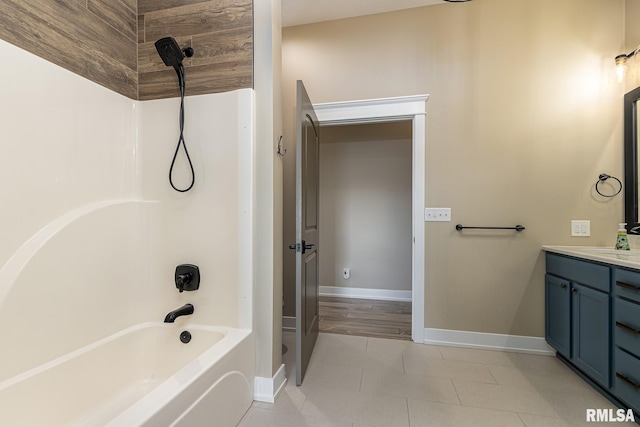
{"x": 139, "y": 412}
{"x": 23, "y": 376}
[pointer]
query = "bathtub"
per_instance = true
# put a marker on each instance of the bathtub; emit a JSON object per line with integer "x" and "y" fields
{"x": 141, "y": 376}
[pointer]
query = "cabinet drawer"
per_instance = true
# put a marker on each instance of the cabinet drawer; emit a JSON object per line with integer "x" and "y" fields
{"x": 627, "y": 284}
{"x": 587, "y": 273}
{"x": 627, "y": 379}
{"x": 627, "y": 326}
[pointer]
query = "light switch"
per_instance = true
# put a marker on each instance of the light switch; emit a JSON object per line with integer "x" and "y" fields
{"x": 437, "y": 214}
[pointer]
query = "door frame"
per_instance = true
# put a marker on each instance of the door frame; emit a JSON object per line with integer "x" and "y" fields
{"x": 389, "y": 110}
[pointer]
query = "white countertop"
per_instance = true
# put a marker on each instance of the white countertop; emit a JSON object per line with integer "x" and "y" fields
{"x": 629, "y": 259}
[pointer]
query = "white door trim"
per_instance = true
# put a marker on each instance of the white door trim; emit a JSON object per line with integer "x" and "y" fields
{"x": 387, "y": 110}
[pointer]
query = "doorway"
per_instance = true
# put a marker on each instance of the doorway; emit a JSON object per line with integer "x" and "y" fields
{"x": 410, "y": 108}
{"x": 365, "y": 229}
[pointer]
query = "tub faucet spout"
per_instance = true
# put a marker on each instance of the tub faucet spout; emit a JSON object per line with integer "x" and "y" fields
{"x": 182, "y": 311}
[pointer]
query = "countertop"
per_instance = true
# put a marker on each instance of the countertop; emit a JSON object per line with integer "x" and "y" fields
{"x": 628, "y": 259}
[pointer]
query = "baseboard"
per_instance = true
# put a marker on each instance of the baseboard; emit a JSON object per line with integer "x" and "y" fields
{"x": 288, "y": 323}
{"x": 268, "y": 389}
{"x": 363, "y": 293}
{"x": 521, "y": 344}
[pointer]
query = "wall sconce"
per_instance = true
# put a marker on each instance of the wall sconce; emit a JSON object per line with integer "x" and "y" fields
{"x": 622, "y": 65}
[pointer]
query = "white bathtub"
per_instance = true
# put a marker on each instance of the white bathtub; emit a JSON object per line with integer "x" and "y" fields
{"x": 142, "y": 376}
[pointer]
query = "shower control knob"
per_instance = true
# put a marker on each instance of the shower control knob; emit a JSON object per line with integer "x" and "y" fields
{"x": 187, "y": 277}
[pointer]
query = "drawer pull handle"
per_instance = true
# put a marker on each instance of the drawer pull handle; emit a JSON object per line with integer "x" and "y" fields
{"x": 628, "y": 381}
{"x": 627, "y": 328}
{"x": 627, "y": 285}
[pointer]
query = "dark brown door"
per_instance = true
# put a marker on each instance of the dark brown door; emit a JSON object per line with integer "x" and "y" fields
{"x": 307, "y": 250}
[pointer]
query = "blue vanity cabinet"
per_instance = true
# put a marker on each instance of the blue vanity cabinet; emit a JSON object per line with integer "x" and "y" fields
{"x": 558, "y": 314}
{"x": 626, "y": 330}
{"x": 590, "y": 332}
{"x": 578, "y": 314}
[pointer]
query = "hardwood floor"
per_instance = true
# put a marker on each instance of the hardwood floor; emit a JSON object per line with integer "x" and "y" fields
{"x": 364, "y": 317}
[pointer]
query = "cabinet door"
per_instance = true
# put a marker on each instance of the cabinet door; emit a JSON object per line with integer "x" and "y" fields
{"x": 590, "y": 332}
{"x": 558, "y": 314}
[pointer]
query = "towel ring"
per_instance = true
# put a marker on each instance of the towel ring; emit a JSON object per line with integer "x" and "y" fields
{"x": 602, "y": 178}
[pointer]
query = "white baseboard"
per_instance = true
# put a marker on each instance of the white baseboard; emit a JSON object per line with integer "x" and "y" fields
{"x": 268, "y": 389}
{"x": 522, "y": 344}
{"x": 288, "y": 323}
{"x": 377, "y": 294}
{"x": 482, "y": 340}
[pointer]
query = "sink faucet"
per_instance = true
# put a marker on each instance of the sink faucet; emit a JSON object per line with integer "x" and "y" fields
{"x": 182, "y": 311}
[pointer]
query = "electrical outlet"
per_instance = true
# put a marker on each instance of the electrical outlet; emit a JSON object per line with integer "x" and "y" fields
{"x": 346, "y": 273}
{"x": 437, "y": 214}
{"x": 580, "y": 228}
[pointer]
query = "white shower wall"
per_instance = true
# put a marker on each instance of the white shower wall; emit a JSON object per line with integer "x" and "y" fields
{"x": 91, "y": 231}
{"x": 211, "y": 225}
{"x": 65, "y": 142}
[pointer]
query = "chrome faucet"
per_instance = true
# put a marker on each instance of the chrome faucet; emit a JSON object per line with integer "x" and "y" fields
{"x": 182, "y": 311}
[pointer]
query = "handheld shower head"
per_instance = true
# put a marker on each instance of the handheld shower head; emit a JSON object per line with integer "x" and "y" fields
{"x": 170, "y": 52}
{"x": 172, "y": 56}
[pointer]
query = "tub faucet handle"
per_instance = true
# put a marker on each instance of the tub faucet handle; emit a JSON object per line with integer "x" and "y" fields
{"x": 187, "y": 277}
{"x": 182, "y": 280}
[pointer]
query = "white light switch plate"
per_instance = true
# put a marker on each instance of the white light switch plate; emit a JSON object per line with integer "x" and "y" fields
{"x": 580, "y": 227}
{"x": 437, "y": 214}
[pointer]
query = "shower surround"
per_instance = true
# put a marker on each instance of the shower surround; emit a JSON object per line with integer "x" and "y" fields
{"x": 91, "y": 230}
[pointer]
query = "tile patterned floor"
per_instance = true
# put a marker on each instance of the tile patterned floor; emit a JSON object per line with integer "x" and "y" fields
{"x": 357, "y": 381}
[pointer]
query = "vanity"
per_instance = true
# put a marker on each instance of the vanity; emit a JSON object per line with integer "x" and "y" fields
{"x": 592, "y": 295}
{"x": 592, "y": 316}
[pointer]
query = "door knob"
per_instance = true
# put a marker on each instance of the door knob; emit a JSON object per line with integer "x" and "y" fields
{"x": 304, "y": 246}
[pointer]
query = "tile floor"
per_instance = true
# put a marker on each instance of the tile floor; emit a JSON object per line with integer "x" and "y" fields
{"x": 364, "y": 382}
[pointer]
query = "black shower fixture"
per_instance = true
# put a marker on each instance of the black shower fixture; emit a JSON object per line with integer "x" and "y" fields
{"x": 170, "y": 52}
{"x": 172, "y": 56}
{"x": 187, "y": 277}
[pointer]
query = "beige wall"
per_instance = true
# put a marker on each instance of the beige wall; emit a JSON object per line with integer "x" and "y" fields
{"x": 632, "y": 29}
{"x": 365, "y": 206}
{"x": 632, "y": 42}
{"x": 523, "y": 116}
{"x": 268, "y": 187}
